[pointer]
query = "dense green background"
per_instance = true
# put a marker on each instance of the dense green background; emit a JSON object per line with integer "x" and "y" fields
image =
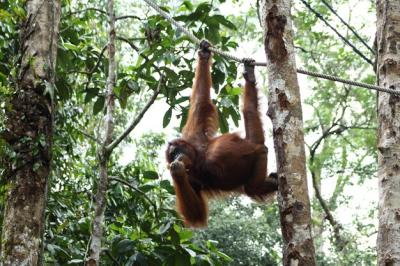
{"x": 142, "y": 227}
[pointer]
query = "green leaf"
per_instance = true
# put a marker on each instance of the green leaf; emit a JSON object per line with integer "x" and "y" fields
{"x": 137, "y": 259}
{"x": 182, "y": 259}
{"x": 223, "y": 124}
{"x": 139, "y": 61}
{"x": 164, "y": 228}
{"x": 189, "y": 251}
{"x": 123, "y": 96}
{"x": 235, "y": 115}
{"x": 166, "y": 184}
{"x": 212, "y": 34}
{"x": 185, "y": 235}
{"x": 150, "y": 175}
{"x": 180, "y": 100}
{"x": 63, "y": 89}
{"x": 133, "y": 85}
{"x": 90, "y": 94}
{"x": 71, "y": 46}
{"x": 222, "y": 20}
{"x": 125, "y": 245}
{"x": 147, "y": 187}
{"x": 167, "y": 117}
{"x": 218, "y": 76}
{"x": 170, "y": 74}
{"x": 188, "y": 5}
{"x": 98, "y": 105}
{"x": 223, "y": 256}
{"x": 201, "y": 11}
{"x": 233, "y": 91}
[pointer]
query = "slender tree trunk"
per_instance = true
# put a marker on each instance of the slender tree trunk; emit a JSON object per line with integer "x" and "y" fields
{"x": 103, "y": 153}
{"x": 388, "y": 70}
{"x": 286, "y": 115}
{"x": 29, "y": 128}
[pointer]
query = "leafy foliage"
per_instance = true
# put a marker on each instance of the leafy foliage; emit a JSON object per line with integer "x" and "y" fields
{"x": 248, "y": 243}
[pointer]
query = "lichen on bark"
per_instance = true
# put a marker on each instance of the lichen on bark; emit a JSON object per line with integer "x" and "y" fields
{"x": 388, "y": 70}
{"x": 285, "y": 112}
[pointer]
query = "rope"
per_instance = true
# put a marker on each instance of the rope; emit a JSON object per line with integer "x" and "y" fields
{"x": 191, "y": 36}
{"x": 196, "y": 40}
{"x": 349, "y": 82}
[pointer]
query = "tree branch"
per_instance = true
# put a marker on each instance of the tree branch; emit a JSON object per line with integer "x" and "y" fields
{"x": 87, "y": 9}
{"x": 326, "y": 134}
{"x": 258, "y": 12}
{"x": 359, "y": 127}
{"x": 128, "y": 16}
{"x": 136, "y": 121}
{"x": 340, "y": 243}
{"x": 99, "y": 59}
{"x": 103, "y": 155}
{"x": 88, "y": 136}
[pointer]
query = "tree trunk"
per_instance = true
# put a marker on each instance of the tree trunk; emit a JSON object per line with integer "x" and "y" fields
{"x": 286, "y": 115}
{"x": 388, "y": 70}
{"x": 29, "y": 128}
{"x": 103, "y": 153}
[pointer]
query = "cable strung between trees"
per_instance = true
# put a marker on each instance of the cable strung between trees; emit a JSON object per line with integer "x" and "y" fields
{"x": 197, "y": 41}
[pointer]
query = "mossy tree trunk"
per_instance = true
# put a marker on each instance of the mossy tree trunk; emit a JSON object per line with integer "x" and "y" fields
{"x": 29, "y": 128}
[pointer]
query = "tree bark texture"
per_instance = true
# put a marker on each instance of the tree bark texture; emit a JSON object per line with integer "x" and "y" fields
{"x": 103, "y": 153}
{"x": 388, "y": 70}
{"x": 284, "y": 109}
{"x": 29, "y": 128}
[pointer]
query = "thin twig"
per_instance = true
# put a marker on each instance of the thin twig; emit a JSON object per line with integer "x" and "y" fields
{"x": 326, "y": 134}
{"x": 344, "y": 39}
{"x": 90, "y": 73}
{"x": 126, "y": 183}
{"x": 87, "y": 247}
{"x": 138, "y": 118}
{"x": 89, "y": 136}
{"x": 348, "y": 26}
{"x": 134, "y": 47}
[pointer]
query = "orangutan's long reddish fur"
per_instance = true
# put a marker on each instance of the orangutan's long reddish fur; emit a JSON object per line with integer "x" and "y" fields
{"x": 210, "y": 165}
